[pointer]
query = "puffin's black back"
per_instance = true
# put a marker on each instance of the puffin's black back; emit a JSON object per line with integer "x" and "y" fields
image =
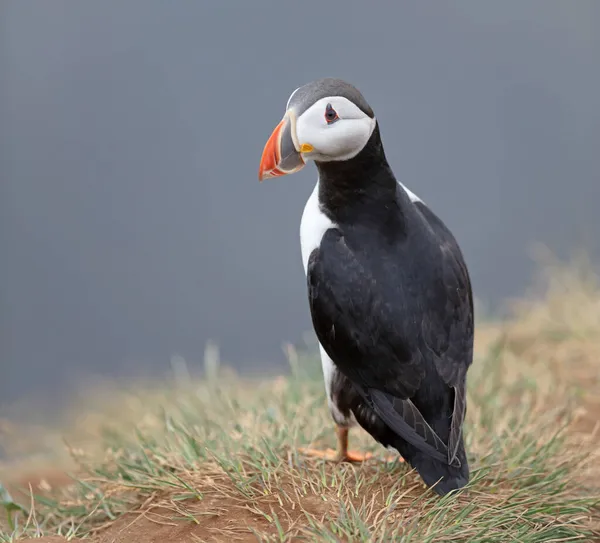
{"x": 391, "y": 304}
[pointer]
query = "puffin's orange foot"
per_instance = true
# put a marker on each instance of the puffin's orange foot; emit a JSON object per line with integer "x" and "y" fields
{"x": 391, "y": 458}
{"x": 331, "y": 455}
{"x": 356, "y": 456}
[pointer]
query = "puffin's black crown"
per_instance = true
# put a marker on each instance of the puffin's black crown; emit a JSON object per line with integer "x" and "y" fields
{"x": 308, "y": 94}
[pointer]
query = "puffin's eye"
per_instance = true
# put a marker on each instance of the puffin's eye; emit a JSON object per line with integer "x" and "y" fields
{"x": 330, "y": 114}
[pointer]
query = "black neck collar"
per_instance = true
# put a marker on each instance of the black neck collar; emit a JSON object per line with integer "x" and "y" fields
{"x": 363, "y": 181}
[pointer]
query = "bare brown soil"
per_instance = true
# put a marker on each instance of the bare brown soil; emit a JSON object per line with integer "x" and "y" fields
{"x": 156, "y": 526}
{"x": 225, "y": 518}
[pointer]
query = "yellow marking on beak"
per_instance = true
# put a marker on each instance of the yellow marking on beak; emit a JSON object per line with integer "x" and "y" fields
{"x": 306, "y": 148}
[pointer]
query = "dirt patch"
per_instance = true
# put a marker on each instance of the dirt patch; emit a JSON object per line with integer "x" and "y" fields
{"x": 221, "y": 516}
{"x": 158, "y": 526}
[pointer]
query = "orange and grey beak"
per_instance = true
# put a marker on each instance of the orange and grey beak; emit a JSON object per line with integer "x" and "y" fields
{"x": 280, "y": 155}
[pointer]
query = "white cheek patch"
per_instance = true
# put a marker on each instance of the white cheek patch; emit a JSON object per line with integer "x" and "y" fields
{"x": 340, "y": 140}
{"x": 344, "y": 140}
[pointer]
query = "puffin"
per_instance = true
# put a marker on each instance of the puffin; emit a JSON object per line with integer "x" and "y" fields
{"x": 389, "y": 291}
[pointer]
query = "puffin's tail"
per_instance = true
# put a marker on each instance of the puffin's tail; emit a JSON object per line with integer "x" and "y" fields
{"x": 447, "y": 477}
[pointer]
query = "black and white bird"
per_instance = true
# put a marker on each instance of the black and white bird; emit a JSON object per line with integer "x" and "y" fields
{"x": 388, "y": 288}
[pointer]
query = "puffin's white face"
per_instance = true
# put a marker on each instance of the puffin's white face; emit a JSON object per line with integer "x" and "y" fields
{"x": 324, "y": 129}
{"x": 333, "y": 128}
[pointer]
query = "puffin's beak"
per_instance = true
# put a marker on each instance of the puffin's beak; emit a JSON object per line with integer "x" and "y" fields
{"x": 280, "y": 156}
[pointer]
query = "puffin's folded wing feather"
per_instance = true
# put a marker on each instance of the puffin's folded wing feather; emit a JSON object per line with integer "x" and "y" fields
{"x": 448, "y": 334}
{"x": 403, "y": 417}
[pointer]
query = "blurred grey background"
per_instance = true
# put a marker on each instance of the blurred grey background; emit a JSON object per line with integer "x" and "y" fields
{"x": 132, "y": 224}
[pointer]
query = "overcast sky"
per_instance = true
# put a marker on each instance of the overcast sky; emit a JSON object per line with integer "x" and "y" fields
{"x": 132, "y": 224}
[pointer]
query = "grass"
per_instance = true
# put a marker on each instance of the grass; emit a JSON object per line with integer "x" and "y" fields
{"x": 214, "y": 458}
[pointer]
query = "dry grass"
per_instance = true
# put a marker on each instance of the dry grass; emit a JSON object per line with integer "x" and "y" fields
{"x": 215, "y": 460}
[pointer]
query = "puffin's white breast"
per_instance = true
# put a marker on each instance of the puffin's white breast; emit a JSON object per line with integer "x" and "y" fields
{"x": 313, "y": 226}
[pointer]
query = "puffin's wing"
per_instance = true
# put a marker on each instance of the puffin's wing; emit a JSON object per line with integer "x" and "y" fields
{"x": 448, "y": 334}
{"x": 374, "y": 339}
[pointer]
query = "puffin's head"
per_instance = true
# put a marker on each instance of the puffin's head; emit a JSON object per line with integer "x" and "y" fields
{"x": 325, "y": 120}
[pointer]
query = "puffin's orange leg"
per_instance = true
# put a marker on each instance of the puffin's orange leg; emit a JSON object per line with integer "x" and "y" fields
{"x": 342, "y": 454}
